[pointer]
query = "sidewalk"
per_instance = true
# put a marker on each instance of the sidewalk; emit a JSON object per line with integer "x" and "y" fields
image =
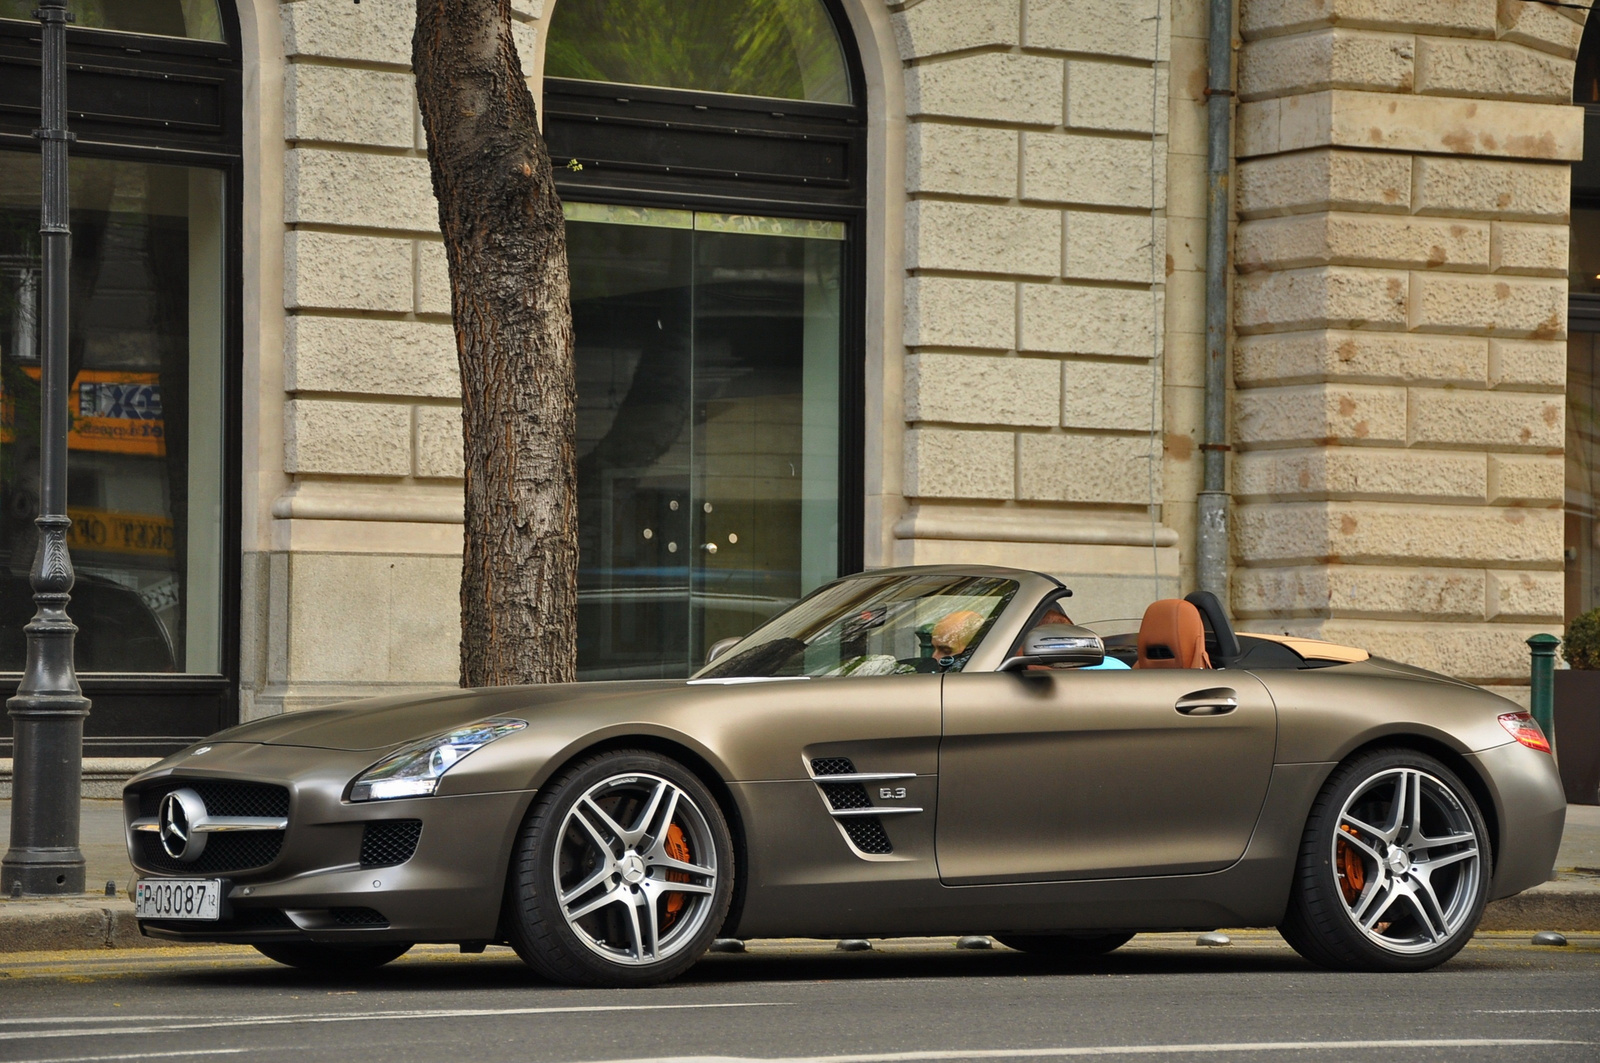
{"x": 1570, "y": 901}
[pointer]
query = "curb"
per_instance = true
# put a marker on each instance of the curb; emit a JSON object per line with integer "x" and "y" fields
{"x": 94, "y": 922}
{"x": 1544, "y": 909}
{"x": 89, "y": 922}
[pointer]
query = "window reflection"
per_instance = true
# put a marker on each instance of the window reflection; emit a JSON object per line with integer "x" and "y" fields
{"x": 786, "y": 49}
{"x": 145, "y": 404}
{"x": 707, "y": 361}
{"x": 198, "y": 19}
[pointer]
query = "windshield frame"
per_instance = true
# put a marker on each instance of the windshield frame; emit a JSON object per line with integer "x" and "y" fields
{"x": 995, "y": 645}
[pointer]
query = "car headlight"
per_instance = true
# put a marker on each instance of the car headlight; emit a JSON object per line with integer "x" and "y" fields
{"x": 415, "y": 770}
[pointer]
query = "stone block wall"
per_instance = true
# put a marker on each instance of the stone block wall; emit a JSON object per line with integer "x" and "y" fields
{"x": 355, "y": 588}
{"x": 1035, "y": 248}
{"x": 1403, "y": 195}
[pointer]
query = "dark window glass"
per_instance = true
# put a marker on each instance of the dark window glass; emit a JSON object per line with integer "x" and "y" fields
{"x": 145, "y": 406}
{"x": 199, "y": 19}
{"x": 708, "y": 352}
{"x": 1586, "y": 83}
{"x": 786, "y": 49}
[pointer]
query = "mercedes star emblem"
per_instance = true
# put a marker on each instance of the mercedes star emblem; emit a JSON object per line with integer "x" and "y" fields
{"x": 180, "y": 811}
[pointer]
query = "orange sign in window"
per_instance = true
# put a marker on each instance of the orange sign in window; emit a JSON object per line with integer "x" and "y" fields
{"x": 111, "y": 411}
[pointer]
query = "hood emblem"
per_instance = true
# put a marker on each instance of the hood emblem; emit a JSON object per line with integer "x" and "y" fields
{"x": 181, "y": 812}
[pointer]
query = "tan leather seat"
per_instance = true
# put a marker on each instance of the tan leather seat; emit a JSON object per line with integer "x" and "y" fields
{"x": 1172, "y": 635}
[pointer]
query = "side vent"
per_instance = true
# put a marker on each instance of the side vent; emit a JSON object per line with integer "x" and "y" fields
{"x": 866, "y": 833}
{"x": 843, "y": 796}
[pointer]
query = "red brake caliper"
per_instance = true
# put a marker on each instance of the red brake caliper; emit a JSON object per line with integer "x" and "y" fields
{"x": 1352, "y": 872}
{"x": 677, "y": 847}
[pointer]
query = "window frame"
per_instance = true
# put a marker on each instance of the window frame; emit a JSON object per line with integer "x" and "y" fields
{"x": 676, "y": 118}
{"x": 153, "y": 714}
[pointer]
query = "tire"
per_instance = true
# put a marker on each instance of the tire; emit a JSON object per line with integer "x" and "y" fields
{"x": 332, "y": 959}
{"x": 1379, "y": 887}
{"x": 622, "y": 874}
{"x": 1065, "y": 946}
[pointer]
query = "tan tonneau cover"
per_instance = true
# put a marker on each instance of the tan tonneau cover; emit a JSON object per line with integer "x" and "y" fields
{"x": 1314, "y": 649}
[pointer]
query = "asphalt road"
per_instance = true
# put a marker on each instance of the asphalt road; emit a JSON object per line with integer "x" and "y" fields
{"x": 1160, "y": 997}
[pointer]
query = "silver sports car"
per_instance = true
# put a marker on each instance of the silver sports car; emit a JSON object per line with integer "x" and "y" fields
{"x": 904, "y": 752}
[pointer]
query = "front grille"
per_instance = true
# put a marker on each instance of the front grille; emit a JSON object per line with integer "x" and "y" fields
{"x": 845, "y": 795}
{"x": 868, "y": 835}
{"x": 390, "y": 842}
{"x": 833, "y": 766}
{"x": 222, "y": 797}
{"x": 225, "y": 851}
{"x": 358, "y": 917}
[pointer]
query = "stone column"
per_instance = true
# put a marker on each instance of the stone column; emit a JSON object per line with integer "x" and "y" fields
{"x": 1401, "y": 310}
{"x": 1035, "y": 169}
{"x": 351, "y": 581}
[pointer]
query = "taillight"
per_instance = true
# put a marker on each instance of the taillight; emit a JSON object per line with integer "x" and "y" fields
{"x": 1525, "y": 729}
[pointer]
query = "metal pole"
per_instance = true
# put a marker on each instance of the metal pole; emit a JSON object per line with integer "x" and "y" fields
{"x": 48, "y": 710}
{"x": 1211, "y": 546}
{"x": 1542, "y": 684}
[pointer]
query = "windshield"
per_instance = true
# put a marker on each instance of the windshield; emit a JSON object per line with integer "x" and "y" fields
{"x": 873, "y": 625}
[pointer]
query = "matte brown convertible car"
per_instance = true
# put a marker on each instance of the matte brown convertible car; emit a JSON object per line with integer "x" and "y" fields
{"x": 903, "y": 752}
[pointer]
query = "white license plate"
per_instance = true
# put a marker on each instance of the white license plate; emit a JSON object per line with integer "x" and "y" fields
{"x": 177, "y": 898}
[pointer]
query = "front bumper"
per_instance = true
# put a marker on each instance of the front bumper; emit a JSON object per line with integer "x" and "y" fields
{"x": 449, "y": 889}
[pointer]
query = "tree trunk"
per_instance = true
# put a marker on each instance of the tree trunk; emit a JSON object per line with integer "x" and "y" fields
{"x": 507, "y": 249}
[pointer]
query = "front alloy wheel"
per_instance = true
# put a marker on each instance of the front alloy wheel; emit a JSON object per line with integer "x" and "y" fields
{"x": 1394, "y": 867}
{"x": 623, "y": 874}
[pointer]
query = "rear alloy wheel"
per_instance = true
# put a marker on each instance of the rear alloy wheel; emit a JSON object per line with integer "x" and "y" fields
{"x": 1394, "y": 867}
{"x": 1065, "y": 946}
{"x": 622, "y": 875}
{"x": 332, "y": 959}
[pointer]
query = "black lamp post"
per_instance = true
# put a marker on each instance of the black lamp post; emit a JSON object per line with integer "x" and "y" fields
{"x": 48, "y": 709}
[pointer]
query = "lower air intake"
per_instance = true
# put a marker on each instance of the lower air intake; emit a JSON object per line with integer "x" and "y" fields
{"x": 390, "y": 842}
{"x": 358, "y": 917}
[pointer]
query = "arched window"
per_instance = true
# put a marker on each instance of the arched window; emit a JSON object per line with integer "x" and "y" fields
{"x": 782, "y": 49}
{"x": 154, "y": 101}
{"x": 711, "y": 156}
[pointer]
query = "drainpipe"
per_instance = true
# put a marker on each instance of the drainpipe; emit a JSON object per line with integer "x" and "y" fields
{"x": 1211, "y": 553}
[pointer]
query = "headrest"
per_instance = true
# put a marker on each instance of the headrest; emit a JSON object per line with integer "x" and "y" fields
{"x": 1172, "y": 635}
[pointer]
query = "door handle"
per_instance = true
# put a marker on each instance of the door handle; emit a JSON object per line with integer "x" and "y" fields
{"x": 1218, "y": 701}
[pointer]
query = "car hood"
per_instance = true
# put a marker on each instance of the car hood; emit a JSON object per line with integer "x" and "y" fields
{"x": 382, "y": 723}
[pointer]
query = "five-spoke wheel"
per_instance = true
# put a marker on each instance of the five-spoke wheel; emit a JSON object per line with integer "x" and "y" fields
{"x": 1394, "y": 866}
{"x": 623, "y": 872}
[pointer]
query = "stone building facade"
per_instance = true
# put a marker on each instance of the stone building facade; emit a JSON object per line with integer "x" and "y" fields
{"x": 1031, "y": 336}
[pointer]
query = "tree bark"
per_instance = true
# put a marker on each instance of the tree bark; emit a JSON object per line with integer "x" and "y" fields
{"x": 507, "y": 249}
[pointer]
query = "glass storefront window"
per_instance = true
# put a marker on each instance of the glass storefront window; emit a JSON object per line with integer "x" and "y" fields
{"x": 197, "y": 19}
{"x": 145, "y": 455}
{"x": 787, "y": 49}
{"x": 1583, "y": 473}
{"x": 708, "y": 352}
{"x": 1583, "y": 251}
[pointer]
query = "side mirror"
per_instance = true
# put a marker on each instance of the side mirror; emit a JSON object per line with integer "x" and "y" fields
{"x": 721, "y": 646}
{"x": 1058, "y": 644}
